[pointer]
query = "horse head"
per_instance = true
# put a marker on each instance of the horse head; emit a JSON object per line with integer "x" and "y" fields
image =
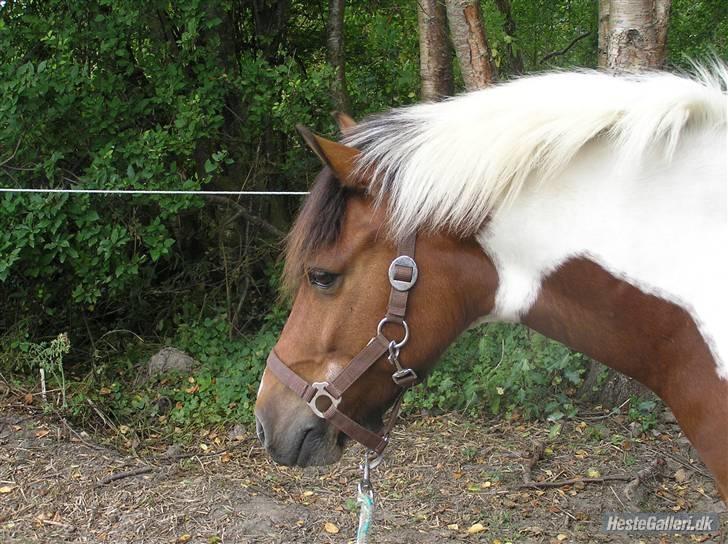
{"x": 338, "y": 256}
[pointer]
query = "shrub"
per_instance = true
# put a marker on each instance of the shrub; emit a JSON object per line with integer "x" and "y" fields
{"x": 502, "y": 367}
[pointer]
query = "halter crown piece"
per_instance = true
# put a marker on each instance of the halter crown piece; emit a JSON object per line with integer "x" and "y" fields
{"x": 402, "y": 277}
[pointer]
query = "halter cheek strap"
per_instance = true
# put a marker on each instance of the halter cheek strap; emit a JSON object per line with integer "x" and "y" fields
{"x": 402, "y": 277}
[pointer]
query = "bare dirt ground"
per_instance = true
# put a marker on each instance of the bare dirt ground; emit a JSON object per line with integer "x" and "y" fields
{"x": 443, "y": 476}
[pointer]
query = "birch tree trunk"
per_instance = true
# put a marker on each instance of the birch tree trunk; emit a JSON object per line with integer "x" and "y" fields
{"x": 435, "y": 51}
{"x": 662, "y": 23}
{"x": 335, "y": 44}
{"x": 603, "y": 32}
{"x": 471, "y": 44}
{"x": 637, "y": 34}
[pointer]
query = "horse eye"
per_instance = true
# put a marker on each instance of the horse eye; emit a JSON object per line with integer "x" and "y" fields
{"x": 321, "y": 278}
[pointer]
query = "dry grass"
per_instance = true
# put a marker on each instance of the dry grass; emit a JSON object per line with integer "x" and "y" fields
{"x": 442, "y": 475}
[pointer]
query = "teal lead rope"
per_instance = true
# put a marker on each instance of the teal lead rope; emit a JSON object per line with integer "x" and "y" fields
{"x": 365, "y": 498}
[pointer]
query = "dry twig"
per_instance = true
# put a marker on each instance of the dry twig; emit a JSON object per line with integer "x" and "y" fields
{"x": 126, "y": 474}
{"x": 642, "y": 475}
{"x": 560, "y": 483}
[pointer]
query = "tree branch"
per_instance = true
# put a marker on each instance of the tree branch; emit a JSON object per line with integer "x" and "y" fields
{"x": 10, "y": 158}
{"x": 245, "y": 214}
{"x": 565, "y": 49}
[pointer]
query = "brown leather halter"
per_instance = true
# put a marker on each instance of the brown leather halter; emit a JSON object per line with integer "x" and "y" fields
{"x": 402, "y": 277}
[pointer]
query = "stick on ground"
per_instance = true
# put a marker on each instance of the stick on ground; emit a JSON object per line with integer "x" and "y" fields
{"x": 127, "y": 474}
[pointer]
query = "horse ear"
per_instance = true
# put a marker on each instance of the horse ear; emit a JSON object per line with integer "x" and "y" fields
{"x": 339, "y": 157}
{"x": 345, "y": 122}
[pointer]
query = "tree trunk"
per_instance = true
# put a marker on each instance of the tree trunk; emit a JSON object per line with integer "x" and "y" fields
{"x": 336, "y": 55}
{"x": 470, "y": 42}
{"x": 637, "y": 34}
{"x": 514, "y": 58}
{"x": 603, "y": 32}
{"x": 270, "y": 20}
{"x": 435, "y": 51}
{"x": 662, "y": 20}
{"x": 632, "y": 37}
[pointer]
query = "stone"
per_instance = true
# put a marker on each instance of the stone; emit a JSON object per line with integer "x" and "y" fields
{"x": 170, "y": 360}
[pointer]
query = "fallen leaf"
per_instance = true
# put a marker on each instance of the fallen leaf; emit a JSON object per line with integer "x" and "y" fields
{"x": 104, "y": 391}
{"x": 453, "y": 527}
{"x": 184, "y": 538}
{"x": 331, "y": 528}
{"x": 307, "y": 493}
{"x": 7, "y": 488}
{"x": 486, "y": 485}
{"x": 225, "y": 458}
{"x": 42, "y": 433}
{"x": 561, "y": 537}
{"x": 28, "y": 399}
{"x": 681, "y": 476}
{"x": 476, "y": 528}
{"x": 593, "y": 473}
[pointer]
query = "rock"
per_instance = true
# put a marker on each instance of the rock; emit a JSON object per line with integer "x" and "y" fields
{"x": 170, "y": 360}
{"x": 668, "y": 416}
{"x": 237, "y": 433}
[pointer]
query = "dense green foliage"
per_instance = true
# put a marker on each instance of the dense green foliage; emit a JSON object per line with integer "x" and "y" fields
{"x": 189, "y": 95}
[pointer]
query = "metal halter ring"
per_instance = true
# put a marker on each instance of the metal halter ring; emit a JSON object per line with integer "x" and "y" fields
{"x": 321, "y": 391}
{"x": 397, "y": 345}
{"x": 407, "y": 262}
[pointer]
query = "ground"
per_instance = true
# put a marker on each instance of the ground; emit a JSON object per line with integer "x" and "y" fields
{"x": 443, "y": 476}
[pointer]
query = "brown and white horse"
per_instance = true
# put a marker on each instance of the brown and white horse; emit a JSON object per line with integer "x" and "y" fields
{"x": 589, "y": 207}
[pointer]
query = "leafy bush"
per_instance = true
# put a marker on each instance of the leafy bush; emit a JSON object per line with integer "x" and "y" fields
{"x": 504, "y": 367}
{"x": 226, "y": 385}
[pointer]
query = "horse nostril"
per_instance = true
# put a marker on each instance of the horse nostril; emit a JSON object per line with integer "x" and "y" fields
{"x": 260, "y": 431}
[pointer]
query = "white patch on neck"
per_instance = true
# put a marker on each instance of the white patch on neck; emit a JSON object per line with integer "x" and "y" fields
{"x": 661, "y": 226}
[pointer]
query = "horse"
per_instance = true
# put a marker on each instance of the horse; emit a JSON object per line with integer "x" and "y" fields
{"x": 590, "y": 207}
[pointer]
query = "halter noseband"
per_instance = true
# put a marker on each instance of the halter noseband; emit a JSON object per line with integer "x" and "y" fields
{"x": 402, "y": 277}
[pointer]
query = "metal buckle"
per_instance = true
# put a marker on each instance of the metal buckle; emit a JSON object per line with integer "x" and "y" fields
{"x": 409, "y": 262}
{"x": 404, "y": 375}
{"x": 321, "y": 391}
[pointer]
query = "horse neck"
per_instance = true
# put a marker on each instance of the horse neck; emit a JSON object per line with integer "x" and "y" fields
{"x": 628, "y": 267}
{"x": 643, "y": 336}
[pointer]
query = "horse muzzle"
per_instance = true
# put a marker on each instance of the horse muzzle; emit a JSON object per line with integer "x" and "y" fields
{"x": 303, "y": 440}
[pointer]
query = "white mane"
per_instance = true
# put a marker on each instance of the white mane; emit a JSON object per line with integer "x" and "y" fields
{"x": 450, "y": 164}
